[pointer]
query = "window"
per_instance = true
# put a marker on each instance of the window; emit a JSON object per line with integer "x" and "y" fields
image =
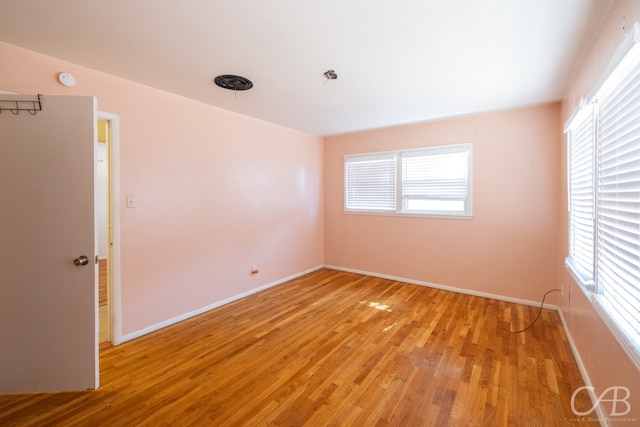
{"x": 581, "y": 195}
{"x": 426, "y": 181}
{"x": 604, "y": 195}
{"x": 371, "y": 182}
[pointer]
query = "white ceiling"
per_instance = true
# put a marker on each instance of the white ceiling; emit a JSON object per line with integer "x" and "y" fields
{"x": 397, "y": 62}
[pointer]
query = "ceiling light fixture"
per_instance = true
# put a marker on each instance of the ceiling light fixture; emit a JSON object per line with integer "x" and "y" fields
{"x": 232, "y": 82}
{"x": 330, "y": 75}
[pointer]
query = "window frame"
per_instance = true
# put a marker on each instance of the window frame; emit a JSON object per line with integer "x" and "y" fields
{"x": 625, "y": 327}
{"x": 401, "y": 197}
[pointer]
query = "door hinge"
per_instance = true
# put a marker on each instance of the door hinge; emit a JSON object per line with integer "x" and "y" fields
{"x": 96, "y": 259}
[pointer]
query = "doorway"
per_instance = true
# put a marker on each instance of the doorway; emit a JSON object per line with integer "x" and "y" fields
{"x": 107, "y": 220}
{"x": 102, "y": 219}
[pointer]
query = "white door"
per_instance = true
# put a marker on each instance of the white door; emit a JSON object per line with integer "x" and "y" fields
{"x": 48, "y": 306}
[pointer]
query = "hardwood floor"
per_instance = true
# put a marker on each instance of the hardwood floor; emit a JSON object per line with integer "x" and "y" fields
{"x": 332, "y": 349}
{"x": 103, "y": 304}
{"x": 102, "y": 282}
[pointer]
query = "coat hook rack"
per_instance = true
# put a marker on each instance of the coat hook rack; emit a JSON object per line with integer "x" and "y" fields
{"x": 32, "y": 106}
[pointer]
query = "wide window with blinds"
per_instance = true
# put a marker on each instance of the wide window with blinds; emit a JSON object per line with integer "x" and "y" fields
{"x": 604, "y": 194}
{"x": 427, "y": 181}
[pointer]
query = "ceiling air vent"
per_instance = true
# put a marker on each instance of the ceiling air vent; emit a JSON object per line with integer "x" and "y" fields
{"x": 231, "y": 82}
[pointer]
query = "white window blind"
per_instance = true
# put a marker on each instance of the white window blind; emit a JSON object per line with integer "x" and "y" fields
{"x": 426, "y": 181}
{"x": 581, "y": 193}
{"x": 436, "y": 180}
{"x": 606, "y": 135}
{"x": 370, "y": 182}
{"x": 618, "y": 199}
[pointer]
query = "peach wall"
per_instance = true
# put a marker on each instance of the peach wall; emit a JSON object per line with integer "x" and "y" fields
{"x": 508, "y": 248}
{"x": 604, "y": 360}
{"x": 216, "y": 192}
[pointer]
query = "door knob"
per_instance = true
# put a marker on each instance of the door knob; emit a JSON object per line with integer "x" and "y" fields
{"x": 83, "y": 260}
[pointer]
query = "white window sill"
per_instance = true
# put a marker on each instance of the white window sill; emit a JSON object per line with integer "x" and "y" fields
{"x": 408, "y": 215}
{"x": 585, "y": 282}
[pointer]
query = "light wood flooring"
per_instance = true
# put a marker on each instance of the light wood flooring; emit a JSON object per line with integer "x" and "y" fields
{"x": 103, "y": 304}
{"x": 331, "y": 349}
{"x": 102, "y": 282}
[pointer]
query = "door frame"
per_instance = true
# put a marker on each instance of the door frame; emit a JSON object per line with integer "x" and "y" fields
{"x": 113, "y": 227}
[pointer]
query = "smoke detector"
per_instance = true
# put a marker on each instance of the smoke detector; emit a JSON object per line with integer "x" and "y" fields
{"x": 67, "y": 79}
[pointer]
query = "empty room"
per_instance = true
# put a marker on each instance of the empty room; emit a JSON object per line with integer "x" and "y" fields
{"x": 320, "y": 213}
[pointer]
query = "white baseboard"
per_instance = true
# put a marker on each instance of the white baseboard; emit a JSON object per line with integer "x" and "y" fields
{"x": 446, "y": 288}
{"x": 217, "y": 304}
{"x": 602, "y": 418}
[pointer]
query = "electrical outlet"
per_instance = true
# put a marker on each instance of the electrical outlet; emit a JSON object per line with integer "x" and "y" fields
{"x": 254, "y": 270}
